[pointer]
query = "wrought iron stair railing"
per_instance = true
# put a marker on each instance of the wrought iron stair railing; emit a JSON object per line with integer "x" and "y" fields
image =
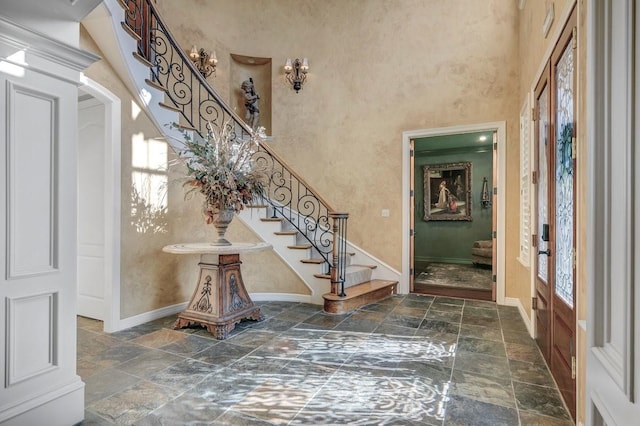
{"x": 188, "y": 93}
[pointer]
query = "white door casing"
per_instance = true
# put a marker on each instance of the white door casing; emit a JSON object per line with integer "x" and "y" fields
{"x": 500, "y": 128}
{"x": 613, "y": 213}
{"x": 105, "y": 113}
{"x": 91, "y": 209}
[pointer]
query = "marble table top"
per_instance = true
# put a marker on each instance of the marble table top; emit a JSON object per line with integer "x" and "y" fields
{"x": 208, "y": 248}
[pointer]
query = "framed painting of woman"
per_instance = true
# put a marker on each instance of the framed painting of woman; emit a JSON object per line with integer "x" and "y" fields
{"x": 447, "y": 191}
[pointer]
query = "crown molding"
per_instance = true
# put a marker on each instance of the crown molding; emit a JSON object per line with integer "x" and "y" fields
{"x": 19, "y": 37}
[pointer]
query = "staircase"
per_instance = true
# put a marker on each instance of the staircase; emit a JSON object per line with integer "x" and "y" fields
{"x": 310, "y": 266}
{"x": 304, "y": 230}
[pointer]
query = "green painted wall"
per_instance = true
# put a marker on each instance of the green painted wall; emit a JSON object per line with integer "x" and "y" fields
{"x": 451, "y": 241}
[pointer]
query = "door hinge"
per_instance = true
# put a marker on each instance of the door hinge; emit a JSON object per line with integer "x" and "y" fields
{"x": 411, "y": 193}
{"x": 410, "y": 153}
{"x": 534, "y": 303}
{"x": 574, "y": 43}
{"x": 495, "y": 146}
{"x": 495, "y": 190}
{"x": 534, "y": 177}
{"x": 494, "y": 278}
{"x": 574, "y": 147}
{"x": 411, "y": 232}
{"x": 411, "y": 272}
{"x": 494, "y": 234}
{"x": 574, "y": 257}
{"x": 533, "y": 114}
{"x": 534, "y": 240}
{"x": 573, "y": 367}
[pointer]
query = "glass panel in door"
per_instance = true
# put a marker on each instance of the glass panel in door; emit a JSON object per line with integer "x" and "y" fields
{"x": 543, "y": 184}
{"x": 564, "y": 177}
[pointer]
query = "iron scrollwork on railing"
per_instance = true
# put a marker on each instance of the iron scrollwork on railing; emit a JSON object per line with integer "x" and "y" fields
{"x": 289, "y": 196}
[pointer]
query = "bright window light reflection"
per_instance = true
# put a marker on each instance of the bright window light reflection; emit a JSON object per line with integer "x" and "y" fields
{"x": 149, "y": 179}
{"x": 145, "y": 95}
{"x": 11, "y": 67}
{"x": 135, "y": 110}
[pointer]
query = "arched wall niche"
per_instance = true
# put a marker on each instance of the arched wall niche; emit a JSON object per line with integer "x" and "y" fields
{"x": 259, "y": 69}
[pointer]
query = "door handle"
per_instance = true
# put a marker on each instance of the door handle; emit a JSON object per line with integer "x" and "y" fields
{"x": 547, "y": 252}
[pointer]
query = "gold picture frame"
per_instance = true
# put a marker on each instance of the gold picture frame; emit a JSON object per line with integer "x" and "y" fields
{"x": 447, "y": 191}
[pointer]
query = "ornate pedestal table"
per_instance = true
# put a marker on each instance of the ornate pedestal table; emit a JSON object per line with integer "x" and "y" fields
{"x": 220, "y": 300}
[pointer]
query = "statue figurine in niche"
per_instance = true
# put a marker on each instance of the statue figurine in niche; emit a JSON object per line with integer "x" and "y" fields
{"x": 251, "y": 103}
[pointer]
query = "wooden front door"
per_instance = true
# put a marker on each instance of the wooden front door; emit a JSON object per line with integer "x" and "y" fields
{"x": 555, "y": 192}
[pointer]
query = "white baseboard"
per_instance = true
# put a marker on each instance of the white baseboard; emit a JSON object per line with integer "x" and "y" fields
{"x": 177, "y": 308}
{"x": 63, "y": 406}
{"x": 514, "y": 301}
{"x": 150, "y": 316}
{"x": 280, "y": 297}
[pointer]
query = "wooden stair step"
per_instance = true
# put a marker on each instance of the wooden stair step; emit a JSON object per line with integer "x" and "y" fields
{"x": 155, "y": 85}
{"x": 256, "y": 206}
{"x": 314, "y": 261}
{"x": 300, "y": 247}
{"x": 286, "y": 233}
{"x": 169, "y": 107}
{"x": 323, "y": 276}
{"x": 359, "y": 295}
{"x": 186, "y": 127}
{"x": 142, "y": 59}
{"x": 271, "y": 219}
{"x": 130, "y": 31}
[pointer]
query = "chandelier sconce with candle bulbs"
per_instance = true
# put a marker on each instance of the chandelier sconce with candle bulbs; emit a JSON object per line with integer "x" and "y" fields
{"x": 204, "y": 61}
{"x": 296, "y": 72}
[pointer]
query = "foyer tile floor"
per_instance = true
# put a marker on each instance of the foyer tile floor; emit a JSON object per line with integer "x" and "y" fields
{"x": 408, "y": 360}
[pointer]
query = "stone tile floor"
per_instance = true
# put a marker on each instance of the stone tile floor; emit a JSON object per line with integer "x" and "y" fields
{"x": 454, "y": 275}
{"x": 408, "y": 360}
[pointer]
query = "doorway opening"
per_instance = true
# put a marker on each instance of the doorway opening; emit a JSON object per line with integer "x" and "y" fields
{"x": 431, "y": 227}
{"x": 98, "y": 261}
{"x": 453, "y": 215}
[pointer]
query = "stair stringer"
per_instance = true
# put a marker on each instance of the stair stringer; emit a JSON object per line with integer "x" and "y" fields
{"x": 104, "y": 24}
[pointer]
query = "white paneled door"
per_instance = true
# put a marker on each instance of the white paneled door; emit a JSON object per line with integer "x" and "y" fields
{"x": 91, "y": 209}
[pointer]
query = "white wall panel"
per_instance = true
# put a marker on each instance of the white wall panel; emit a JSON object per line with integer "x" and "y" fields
{"x": 32, "y": 342}
{"x": 32, "y": 180}
{"x": 613, "y": 352}
{"x": 38, "y": 231}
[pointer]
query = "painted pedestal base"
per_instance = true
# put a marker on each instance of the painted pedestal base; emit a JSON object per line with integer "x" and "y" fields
{"x": 220, "y": 300}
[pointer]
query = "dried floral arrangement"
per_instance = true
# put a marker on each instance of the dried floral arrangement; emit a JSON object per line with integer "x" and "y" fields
{"x": 220, "y": 167}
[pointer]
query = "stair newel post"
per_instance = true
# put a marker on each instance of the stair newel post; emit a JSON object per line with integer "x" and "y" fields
{"x": 339, "y": 264}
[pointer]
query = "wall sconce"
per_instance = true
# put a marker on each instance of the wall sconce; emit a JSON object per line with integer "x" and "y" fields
{"x": 485, "y": 199}
{"x": 296, "y": 72}
{"x": 205, "y": 62}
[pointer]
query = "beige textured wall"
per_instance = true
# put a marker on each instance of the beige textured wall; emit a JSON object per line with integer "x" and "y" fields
{"x": 377, "y": 68}
{"x": 151, "y": 279}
